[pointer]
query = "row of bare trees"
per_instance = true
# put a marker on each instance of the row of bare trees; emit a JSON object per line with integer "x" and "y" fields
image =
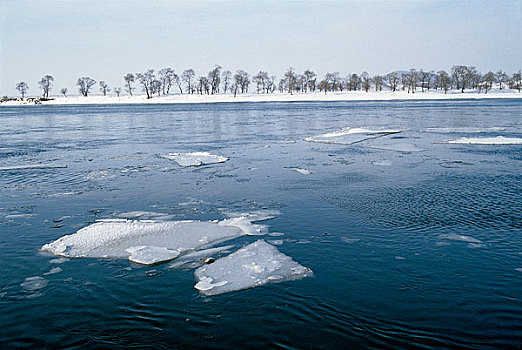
{"x": 218, "y": 80}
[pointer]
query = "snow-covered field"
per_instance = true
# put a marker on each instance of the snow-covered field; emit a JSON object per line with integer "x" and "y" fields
{"x": 277, "y": 97}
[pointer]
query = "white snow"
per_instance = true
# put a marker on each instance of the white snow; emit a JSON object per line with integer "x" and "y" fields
{"x": 349, "y": 136}
{"x": 254, "y": 265}
{"x": 34, "y": 283}
{"x": 498, "y": 140}
{"x": 195, "y": 158}
{"x": 275, "y": 97}
{"x": 462, "y": 238}
{"x": 112, "y": 238}
{"x": 147, "y": 255}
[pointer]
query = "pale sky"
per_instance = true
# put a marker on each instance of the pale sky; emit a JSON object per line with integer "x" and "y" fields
{"x": 105, "y": 39}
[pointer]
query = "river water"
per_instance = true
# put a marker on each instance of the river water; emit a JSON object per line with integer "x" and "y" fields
{"x": 413, "y": 241}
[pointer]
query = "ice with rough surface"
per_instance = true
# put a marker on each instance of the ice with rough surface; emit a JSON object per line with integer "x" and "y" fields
{"x": 34, "y": 283}
{"x": 462, "y": 238}
{"x": 303, "y": 171}
{"x": 53, "y": 271}
{"x": 498, "y": 140}
{"x": 254, "y": 265}
{"x": 147, "y": 255}
{"x": 348, "y": 136}
{"x": 112, "y": 238}
{"x": 195, "y": 158}
{"x": 197, "y": 255}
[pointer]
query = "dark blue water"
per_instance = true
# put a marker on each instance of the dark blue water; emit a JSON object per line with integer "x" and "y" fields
{"x": 368, "y": 221}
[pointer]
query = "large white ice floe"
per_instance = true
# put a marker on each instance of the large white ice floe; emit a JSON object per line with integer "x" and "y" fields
{"x": 195, "y": 158}
{"x": 254, "y": 265}
{"x": 348, "y": 136}
{"x": 498, "y": 140}
{"x": 150, "y": 242}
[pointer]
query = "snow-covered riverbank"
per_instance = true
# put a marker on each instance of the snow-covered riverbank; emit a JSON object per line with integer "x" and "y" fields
{"x": 276, "y": 97}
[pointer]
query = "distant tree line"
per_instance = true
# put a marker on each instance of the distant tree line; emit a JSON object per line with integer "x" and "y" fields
{"x": 217, "y": 81}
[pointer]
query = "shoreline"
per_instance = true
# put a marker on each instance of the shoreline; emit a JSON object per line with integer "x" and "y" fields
{"x": 348, "y": 96}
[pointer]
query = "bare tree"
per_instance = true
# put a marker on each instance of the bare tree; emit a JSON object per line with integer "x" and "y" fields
{"x": 85, "y": 84}
{"x": 311, "y": 79}
{"x": 226, "y": 76}
{"x": 166, "y": 78}
{"x": 203, "y": 85}
{"x": 365, "y": 77}
{"x": 444, "y": 80}
{"x": 501, "y": 78}
{"x": 214, "y": 78}
{"x": 271, "y": 85}
{"x": 489, "y": 79}
{"x": 378, "y": 81}
{"x": 146, "y": 80}
{"x": 261, "y": 80}
{"x": 117, "y": 90}
{"x": 155, "y": 87}
{"x": 46, "y": 84}
{"x": 324, "y": 85}
{"x": 104, "y": 88}
{"x": 177, "y": 80}
{"x": 393, "y": 80}
{"x": 63, "y": 91}
{"x": 290, "y": 80}
{"x": 242, "y": 80}
{"x": 187, "y": 77}
{"x": 22, "y": 87}
{"x": 129, "y": 78}
{"x": 333, "y": 79}
{"x": 352, "y": 82}
{"x": 516, "y": 81}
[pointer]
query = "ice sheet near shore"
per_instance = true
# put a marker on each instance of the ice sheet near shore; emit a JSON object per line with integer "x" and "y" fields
{"x": 349, "y": 136}
{"x": 254, "y": 265}
{"x": 195, "y": 158}
{"x": 151, "y": 242}
{"x": 498, "y": 140}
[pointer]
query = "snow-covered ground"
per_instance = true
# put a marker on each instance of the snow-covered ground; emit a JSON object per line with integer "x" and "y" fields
{"x": 277, "y": 97}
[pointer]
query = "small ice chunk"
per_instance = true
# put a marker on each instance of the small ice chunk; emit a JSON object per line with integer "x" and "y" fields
{"x": 462, "y": 238}
{"x": 302, "y": 171}
{"x": 34, "y": 283}
{"x": 476, "y": 245}
{"x": 348, "y": 136}
{"x": 254, "y": 265}
{"x": 400, "y": 258}
{"x": 53, "y": 271}
{"x": 350, "y": 240}
{"x": 58, "y": 260}
{"x": 276, "y": 241}
{"x": 147, "y": 255}
{"x": 398, "y": 147}
{"x": 498, "y": 140}
{"x": 195, "y": 158}
{"x": 519, "y": 269}
{"x": 33, "y": 166}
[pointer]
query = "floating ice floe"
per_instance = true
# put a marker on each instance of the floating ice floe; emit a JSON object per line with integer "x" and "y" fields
{"x": 53, "y": 271}
{"x": 350, "y": 240}
{"x": 348, "y": 136}
{"x": 465, "y": 130}
{"x": 33, "y": 166}
{"x": 302, "y": 171}
{"x": 254, "y": 265}
{"x": 462, "y": 238}
{"x": 399, "y": 147}
{"x": 34, "y": 283}
{"x": 498, "y": 140}
{"x": 195, "y": 158}
{"x": 112, "y": 238}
